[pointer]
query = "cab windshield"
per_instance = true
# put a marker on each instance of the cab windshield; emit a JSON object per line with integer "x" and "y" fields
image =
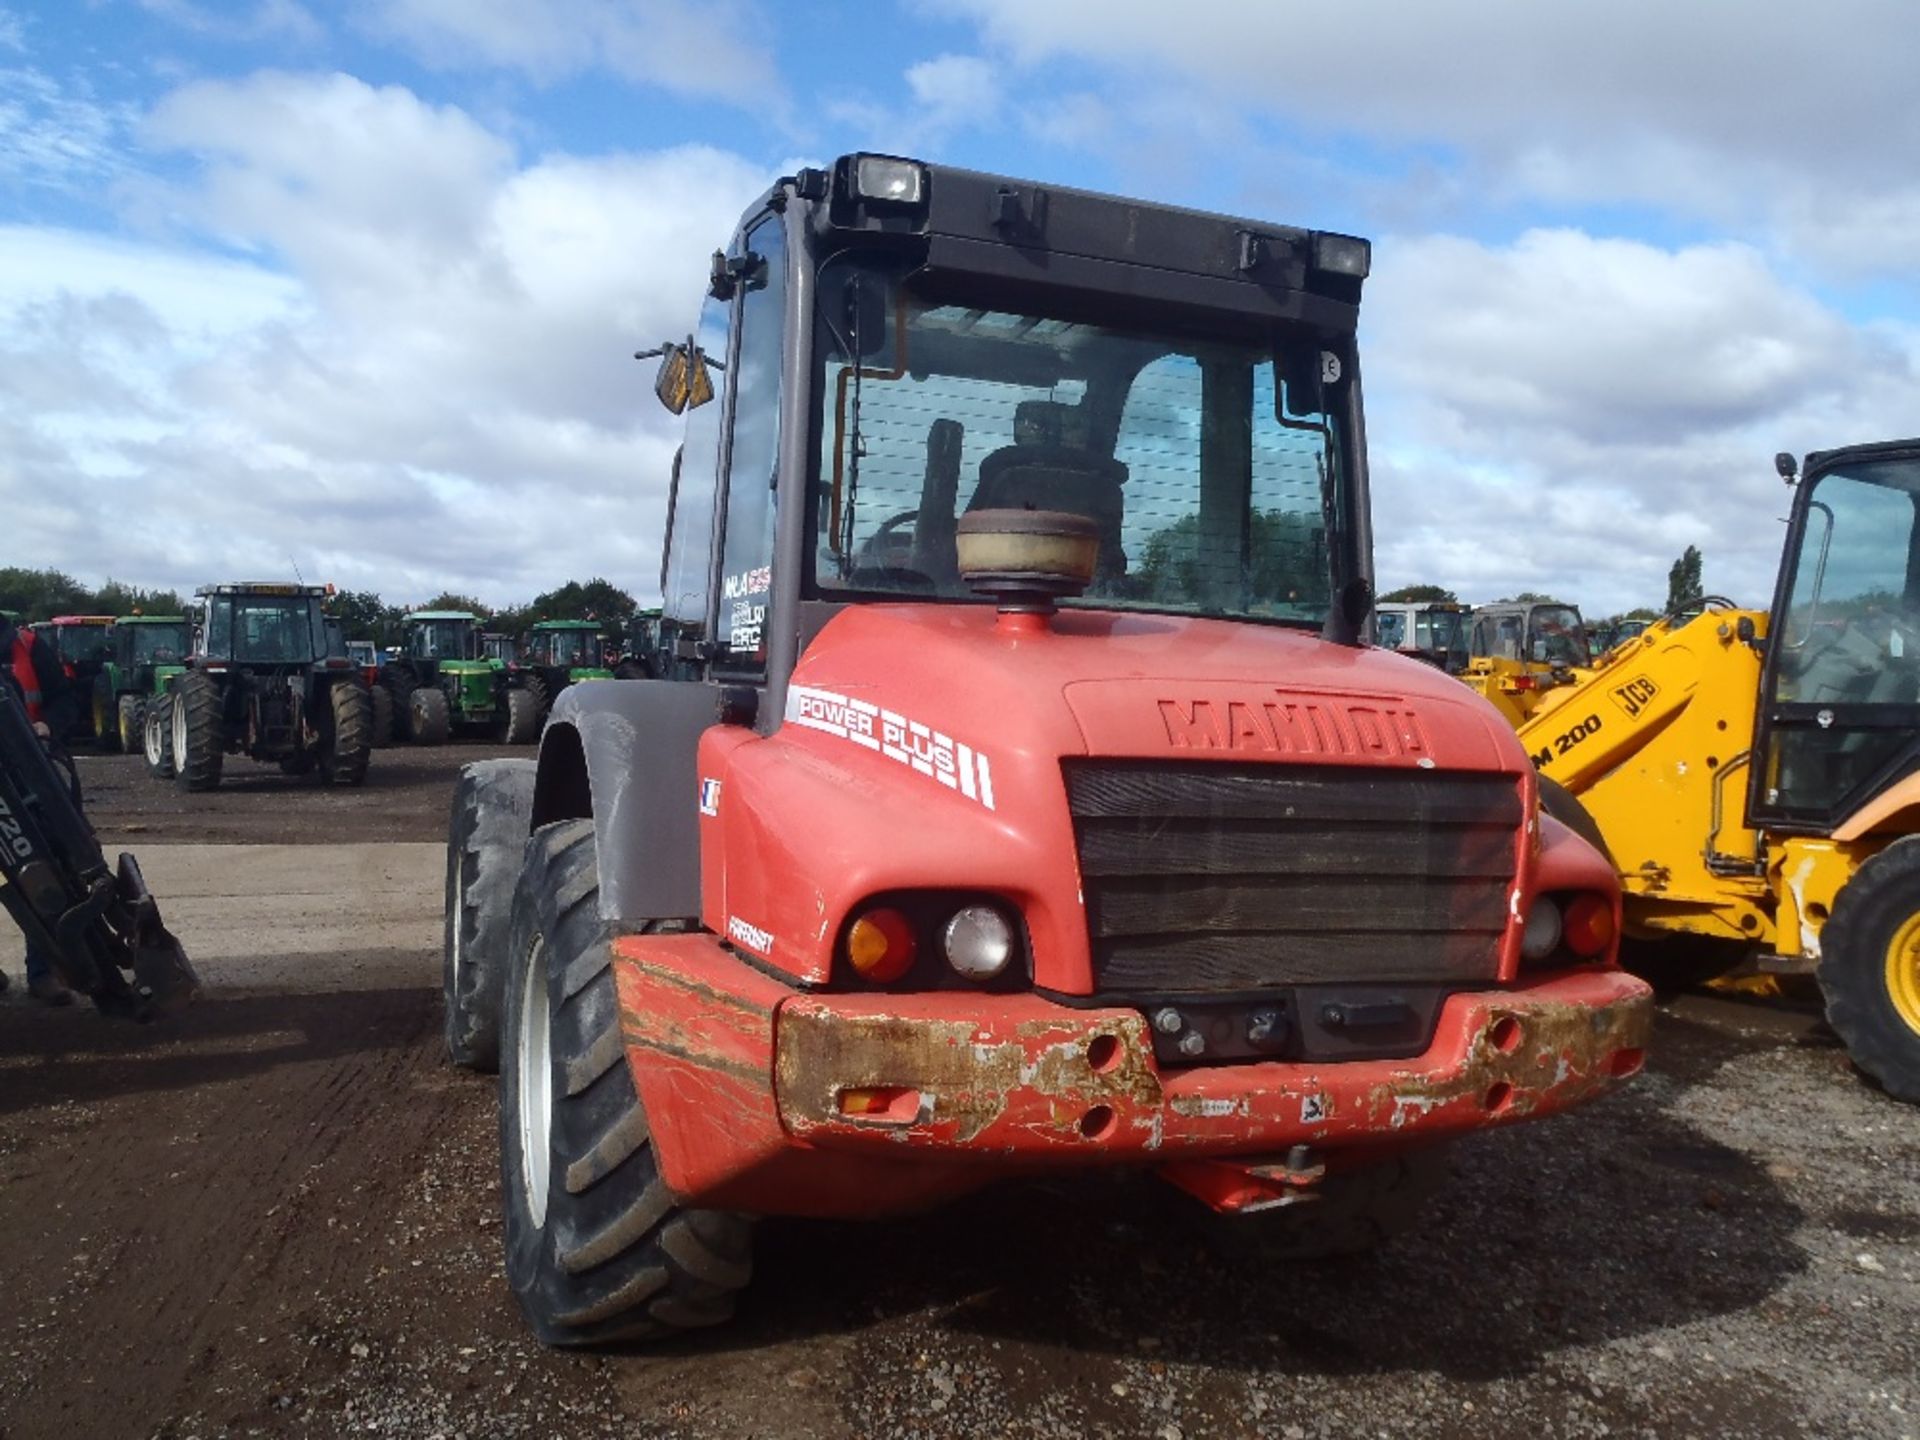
{"x": 1212, "y": 465}
{"x": 1557, "y": 636}
{"x": 443, "y": 639}
{"x": 81, "y": 644}
{"x": 566, "y": 647}
{"x": 266, "y": 629}
{"x": 158, "y": 643}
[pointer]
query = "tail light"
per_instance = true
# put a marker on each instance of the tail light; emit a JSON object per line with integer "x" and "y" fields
{"x": 929, "y": 940}
{"x": 1587, "y": 925}
{"x": 881, "y": 945}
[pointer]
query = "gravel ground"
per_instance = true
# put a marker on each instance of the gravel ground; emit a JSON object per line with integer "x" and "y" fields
{"x": 278, "y": 1215}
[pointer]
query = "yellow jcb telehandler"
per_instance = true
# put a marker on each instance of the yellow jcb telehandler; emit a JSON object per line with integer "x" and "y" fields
{"x": 1756, "y": 775}
{"x": 1521, "y": 652}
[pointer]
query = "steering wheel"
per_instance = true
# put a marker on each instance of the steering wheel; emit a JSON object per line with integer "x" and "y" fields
{"x": 888, "y": 529}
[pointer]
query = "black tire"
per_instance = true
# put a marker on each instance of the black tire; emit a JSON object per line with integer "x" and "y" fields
{"x": 492, "y": 804}
{"x": 633, "y": 670}
{"x": 401, "y": 683}
{"x": 1868, "y": 941}
{"x": 1351, "y": 1212}
{"x": 128, "y": 715}
{"x": 429, "y": 718}
{"x": 542, "y": 699}
{"x": 346, "y": 749}
{"x": 199, "y": 737}
{"x": 1563, "y": 805}
{"x": 597, "y": 1250}
{"x": 519, "y": 723}
{"x": 381, "y": 700}
{"x": 156, "y": 737}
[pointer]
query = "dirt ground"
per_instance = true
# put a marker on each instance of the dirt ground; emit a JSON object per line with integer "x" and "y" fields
{"x": 277, "y": 1215}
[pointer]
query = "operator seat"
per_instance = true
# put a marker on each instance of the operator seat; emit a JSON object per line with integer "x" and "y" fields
{"x": 1051, "y": 467}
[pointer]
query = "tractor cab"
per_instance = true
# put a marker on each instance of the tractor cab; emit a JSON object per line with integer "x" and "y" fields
{"x": 1434, "y": 631}
{"x": 497, "y": 649}
{"x": 574, "y": 646}
{"x": 84, "y": 645}
{"x": 364, "y": 654}
{"x": 261, "y": 625}
{"x": 1520, "y": 652}
{"x": 145, "y": 653}
{"x": 436, "y": 636}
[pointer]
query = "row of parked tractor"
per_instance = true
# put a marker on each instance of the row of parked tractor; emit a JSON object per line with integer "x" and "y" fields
{"x": 261, "y": 670}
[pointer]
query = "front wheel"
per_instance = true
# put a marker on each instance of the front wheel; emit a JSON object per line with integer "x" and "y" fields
{"x": 430, "y": 719}
{"x": 381, "y": 700}
{"x": 1870, "y": 968}
{"x": 597, "y": 1248}
{"x": 492, "y": 802}
{"x": 128, "y": 717}
{"x": 106, "y": 732}
{"x": 520, "y": 721}
{"x": 199, "y": 746}
{"x": 156, "y": 737}
{"x": 346, "y": 749}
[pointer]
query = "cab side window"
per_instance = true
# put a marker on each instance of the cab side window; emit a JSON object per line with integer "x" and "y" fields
{"x": 746, "y": 565}
{"x": 690, "y": 541}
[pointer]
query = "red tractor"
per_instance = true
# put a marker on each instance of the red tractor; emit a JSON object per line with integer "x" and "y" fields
{"x": 1026, "y": 796}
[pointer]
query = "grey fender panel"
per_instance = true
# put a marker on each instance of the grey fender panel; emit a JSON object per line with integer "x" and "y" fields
{"x": 637, "y": 742}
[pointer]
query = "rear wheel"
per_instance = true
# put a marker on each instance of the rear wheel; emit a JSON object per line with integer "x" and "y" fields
{"x": 344, "y": 753}
{"x": 597, "y": 1250}
{"x": 1870, "y": 968}
{"x": 542, "y": 698}
{"x": 156, "y": 737}
{"x": 486, "y": 838}
{"x": 380, "y": 699}
{"x": 199, "y": 744}
{"x": 520, "y": 719}
{"x": 1563, "y": 805}
{"x": 128, "y": 715}
{"x": 430, "y": 719}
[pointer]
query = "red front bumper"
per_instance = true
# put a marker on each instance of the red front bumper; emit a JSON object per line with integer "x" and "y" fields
{"x": 766, "y": 1099}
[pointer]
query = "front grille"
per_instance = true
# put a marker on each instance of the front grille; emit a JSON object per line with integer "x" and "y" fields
{"x": 1217, "y": 878}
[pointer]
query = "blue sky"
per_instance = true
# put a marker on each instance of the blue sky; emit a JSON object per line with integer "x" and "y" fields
{"x": 285, "y": 280}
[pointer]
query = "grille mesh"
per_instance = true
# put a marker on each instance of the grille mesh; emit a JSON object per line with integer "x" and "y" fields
{"x": 1213, "y": 878}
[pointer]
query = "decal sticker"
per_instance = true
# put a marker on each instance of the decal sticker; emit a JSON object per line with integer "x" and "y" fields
{"x": 907, "y": 742}
{"x": 750, "y": 937}
{"x": 1564, "y": 742}
{"x": 709, "y": 797}
{"x": 1313, "y": 1109}
{"x": 1633, "y": 696}
{"x": 745, "y": 618}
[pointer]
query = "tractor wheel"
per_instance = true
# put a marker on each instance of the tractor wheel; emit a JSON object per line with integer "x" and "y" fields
{"x": 381, "y": 699}
{"x": 344, "y": 753}
{"x": 633, "y": 670}
{"x": 492, "y": 803}
{"x": 1353, "y": 1211}
{"x": 520, "y": 722}
{"x": 199, "y": 746}
{"x": 128, "y": 715}
{"x": 1870, "y": 968}
{"x": 1563, "y": 805}
{"x": 597, "y": 1250}
{"x": 542, "y": 700}
{"x": 106, "y": 733}
{"x": 156, "y": 737}
{"x": 430, "y": 720}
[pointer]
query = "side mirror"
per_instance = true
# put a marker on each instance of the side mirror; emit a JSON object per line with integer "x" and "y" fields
{"x": 683, "y": 381}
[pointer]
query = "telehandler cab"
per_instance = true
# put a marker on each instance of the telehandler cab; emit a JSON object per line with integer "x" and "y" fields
{"x": 1756, "y": 774}
{"x": 1033, "y": 801}
{"x": 261, "y": 683}
{"x": 1520, "y": 652}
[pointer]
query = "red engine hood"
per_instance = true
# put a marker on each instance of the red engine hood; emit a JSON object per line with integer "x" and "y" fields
{"x": 1129, "y": 685}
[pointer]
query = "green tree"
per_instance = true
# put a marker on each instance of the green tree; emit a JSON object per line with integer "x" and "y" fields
{"x": 115, "y": 598}
{"x": 598, "y": 599}
{"x": 1528, "y": 597}
{"x": 1421, "y": 595}
{"x": 1683, "y": 580}
{"x": 40, "y": 594}
{"x": 1288, "y": 561}
{"x": 363, "y": 615}
{"x": 447, "y": 600}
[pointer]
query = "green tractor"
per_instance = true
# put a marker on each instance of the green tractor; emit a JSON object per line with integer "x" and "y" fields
{"x": 260, "y": 683}
{"x": 441, "y": 679}
{"x": 556, "y": 654}
{"x": 144, "y": 653}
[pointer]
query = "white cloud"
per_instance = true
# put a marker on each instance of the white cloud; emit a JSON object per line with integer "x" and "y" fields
{"x": 418, "y": 378}
{"x": 267, "y": 20}
{"x": 55, "y": 133}
{"x": 955, "y": 89}
{"x": 1567, "y": 413}
{"x": 689, "y": 48}
{"x": 1730, "y": 112}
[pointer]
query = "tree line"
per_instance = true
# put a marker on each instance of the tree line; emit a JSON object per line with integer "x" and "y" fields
{"x": 363, "y": 614}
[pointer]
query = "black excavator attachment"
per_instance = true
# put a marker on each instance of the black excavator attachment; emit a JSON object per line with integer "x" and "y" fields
{"x": 100, "y": 925}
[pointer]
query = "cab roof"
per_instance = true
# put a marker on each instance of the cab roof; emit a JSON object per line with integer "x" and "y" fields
{"x": 442, "y": 615}
{"x": 151, "y": 620}
{"x": 567, "y": 625}
{"x": 263, "y": 587}
{"x": 81, "y": 620}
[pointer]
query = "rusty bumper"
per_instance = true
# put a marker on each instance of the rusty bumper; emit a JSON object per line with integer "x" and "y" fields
{"x": 767, "y": 1099}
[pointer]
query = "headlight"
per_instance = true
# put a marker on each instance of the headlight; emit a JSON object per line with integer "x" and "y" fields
{"x": 1342, "y": 254}
{"x": 894, "y": 182}
{"x": 978, "y": 941}
{"x": 1542, "y": 934}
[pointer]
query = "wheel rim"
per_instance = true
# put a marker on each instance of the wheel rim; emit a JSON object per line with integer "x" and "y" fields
{"x": 1903, "y": 972}
{"x": 179, "y": 736}
{"x": 536, "y": 1084}
{"x": 459, "y": 920}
